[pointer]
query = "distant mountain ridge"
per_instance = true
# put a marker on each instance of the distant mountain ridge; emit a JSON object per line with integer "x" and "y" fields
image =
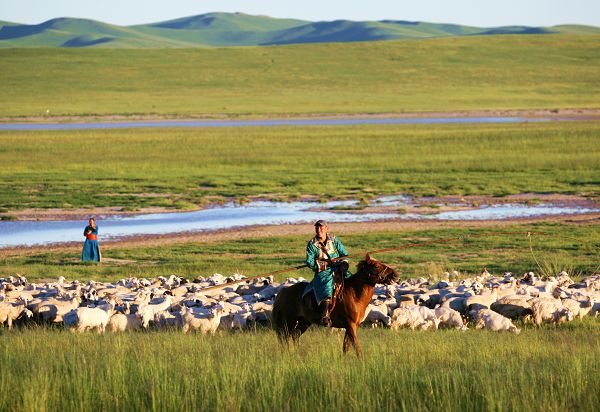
{"x": 239, "y": 29}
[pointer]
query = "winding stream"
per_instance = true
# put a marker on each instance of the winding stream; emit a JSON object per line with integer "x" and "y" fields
{"x": 29, "y": 233}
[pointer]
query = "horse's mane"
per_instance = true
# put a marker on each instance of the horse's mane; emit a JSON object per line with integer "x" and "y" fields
{"x": 363, "y": 268}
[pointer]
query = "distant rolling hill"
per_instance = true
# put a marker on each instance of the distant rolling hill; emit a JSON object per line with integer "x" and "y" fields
{"x": 238, "y": 29}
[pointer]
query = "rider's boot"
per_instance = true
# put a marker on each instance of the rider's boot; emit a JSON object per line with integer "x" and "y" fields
{"x": 324, "y": 312}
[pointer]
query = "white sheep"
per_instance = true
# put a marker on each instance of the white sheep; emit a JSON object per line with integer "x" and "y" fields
{"x": 206, "y": 324}
{"x": 579, "y": 308}
{"x": 121, "y": 322}
{"x": 414, "y": 317}
{"x": 377, "y": 313}
{"x": 513, "y": 307}
{"x": 490, "y": 320}
{"x": 9, "y": 312}
{"x": 148, "y": 311}
{"x": 549, "y": 310}
{"x": 449, "y": 318}
{"x": 91, "y": 318}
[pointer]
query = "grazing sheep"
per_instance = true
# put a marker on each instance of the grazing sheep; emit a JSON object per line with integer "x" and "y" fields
{"x": 490, "y": 320}
{"x": 414, "y": 317}
{"x": 513, "y": 307}
{"x": 458, "y": 304}
{"x": 9, "y": 312}
{"x": 375, "y": 314}
{"x": 54, "y": 312}
{"x": 148, "y": 311}
{"x": 481, "y": 301}
{"x": 449, "y": 319}
{"x": 120, "y": 322}
{"x": 579, "y": 308}
{"x": 92, "y": 318}
{"x": 550, "y": 311}
{"x": 166, "y": 319}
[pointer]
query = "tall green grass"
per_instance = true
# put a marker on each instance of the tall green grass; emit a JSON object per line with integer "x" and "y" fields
{"x": 546, "y": 369}
{"x": 186, "y": 167}
{"x": 467, "y": 73}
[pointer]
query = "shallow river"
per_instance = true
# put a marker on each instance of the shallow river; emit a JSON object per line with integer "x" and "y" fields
{"x": 28, "y": 233}
{"x": 273, "y": 122}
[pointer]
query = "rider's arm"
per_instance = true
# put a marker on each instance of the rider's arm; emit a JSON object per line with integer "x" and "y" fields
{"x": 311, "y": 256}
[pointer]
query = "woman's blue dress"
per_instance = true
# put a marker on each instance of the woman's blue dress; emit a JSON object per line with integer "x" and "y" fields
{"x": 91, "y": 251}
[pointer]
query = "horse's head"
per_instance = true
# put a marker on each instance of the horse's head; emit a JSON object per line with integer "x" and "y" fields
{"x": 377, "y": 272}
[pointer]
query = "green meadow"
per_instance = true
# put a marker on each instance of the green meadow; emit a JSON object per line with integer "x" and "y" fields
{"x": 557, "y": 247}
{"x": 183, "y": 168}
{"x": 542, "y": 369}
{"x": 448, "y": 74}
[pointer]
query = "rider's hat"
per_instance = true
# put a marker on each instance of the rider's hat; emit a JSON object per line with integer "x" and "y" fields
{"x": 320, "y": 223}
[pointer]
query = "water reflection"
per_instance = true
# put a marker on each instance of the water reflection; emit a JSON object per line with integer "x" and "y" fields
{"x": 28, "y": 233}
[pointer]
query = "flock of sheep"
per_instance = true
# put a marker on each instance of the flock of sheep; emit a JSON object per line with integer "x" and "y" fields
{"x": 483, "y": 301}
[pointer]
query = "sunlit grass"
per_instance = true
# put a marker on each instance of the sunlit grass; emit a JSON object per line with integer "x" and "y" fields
{"x": 183, "y": 168}
{"x": 465, "y": 73}
{"x": 539, "y": 370}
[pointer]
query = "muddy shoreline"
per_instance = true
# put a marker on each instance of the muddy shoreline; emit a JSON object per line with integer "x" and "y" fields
{"x": 570, "y": 113}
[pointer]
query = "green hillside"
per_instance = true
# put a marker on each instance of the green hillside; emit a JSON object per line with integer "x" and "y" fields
{"x": 456, "y": 73}
{"x": 239, "y": 29}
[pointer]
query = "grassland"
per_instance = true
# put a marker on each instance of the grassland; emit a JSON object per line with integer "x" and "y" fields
{"x": 466, "y": 73}
{"x": 563, "y": 247}
{"x": 547, "y": 369}
{"x": 184, "y": 168}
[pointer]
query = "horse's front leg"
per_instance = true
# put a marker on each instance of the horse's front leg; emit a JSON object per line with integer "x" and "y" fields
{"x": 350, "y": 338}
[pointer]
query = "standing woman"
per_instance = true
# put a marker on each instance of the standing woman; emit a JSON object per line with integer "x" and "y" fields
{"x": 91, "y": 251}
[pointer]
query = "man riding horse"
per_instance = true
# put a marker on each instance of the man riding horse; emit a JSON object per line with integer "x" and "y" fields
{"x": 320, "y": 254}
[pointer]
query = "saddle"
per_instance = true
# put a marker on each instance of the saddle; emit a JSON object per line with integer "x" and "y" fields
{"x": 310, "y": 300}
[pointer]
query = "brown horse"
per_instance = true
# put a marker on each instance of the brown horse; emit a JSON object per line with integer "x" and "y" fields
{"x": 292, "y": 316}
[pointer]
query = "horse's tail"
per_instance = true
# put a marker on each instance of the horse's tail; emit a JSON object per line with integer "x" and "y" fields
{"x": 287, "y": 310}
{"x": 278, "y": 316}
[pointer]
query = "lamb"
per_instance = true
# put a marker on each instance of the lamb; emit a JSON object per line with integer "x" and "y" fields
{"x": 208, "y": 324}
{"x": 490, "y": 320}
{"x": 449, "y": 319}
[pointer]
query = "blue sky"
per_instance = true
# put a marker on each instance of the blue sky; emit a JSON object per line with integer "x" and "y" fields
{"x": 484, "y": 13}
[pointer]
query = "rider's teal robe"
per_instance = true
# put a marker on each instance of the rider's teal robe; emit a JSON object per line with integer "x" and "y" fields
{"x": 322, "y": 283}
